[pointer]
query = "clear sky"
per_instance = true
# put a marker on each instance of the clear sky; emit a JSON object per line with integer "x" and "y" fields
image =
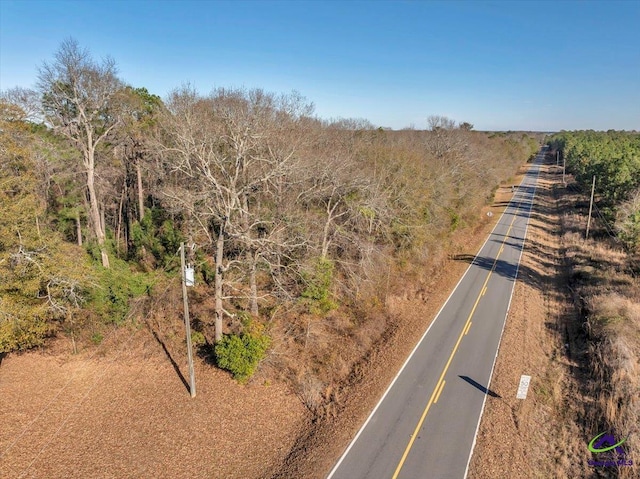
{"x": 519, "y": 65}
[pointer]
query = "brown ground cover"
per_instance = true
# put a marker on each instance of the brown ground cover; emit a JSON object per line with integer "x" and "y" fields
{"x": 120, "y": 411}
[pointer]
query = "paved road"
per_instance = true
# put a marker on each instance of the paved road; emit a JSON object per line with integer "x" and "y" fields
{"x": 426, "y": 422}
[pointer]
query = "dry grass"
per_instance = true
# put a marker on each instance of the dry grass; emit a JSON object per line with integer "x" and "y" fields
{"x": 606, "y": 291}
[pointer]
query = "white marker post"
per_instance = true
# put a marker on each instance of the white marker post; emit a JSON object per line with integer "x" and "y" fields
{"x": 523, "y": 388}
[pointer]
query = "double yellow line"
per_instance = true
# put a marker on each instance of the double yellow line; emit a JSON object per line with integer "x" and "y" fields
{"x": 440, "y": 384}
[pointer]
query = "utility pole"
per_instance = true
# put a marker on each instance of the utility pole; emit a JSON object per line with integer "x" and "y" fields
{"x": 564, "y": 167}
{"x": 593, "y": 188}
{"x": 187, "y": 326}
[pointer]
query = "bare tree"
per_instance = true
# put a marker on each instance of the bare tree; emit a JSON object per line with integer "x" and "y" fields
{"x": 24, "y": 98}
{"x": 228, "y": 153}
{"x": 78, "y": 98}
{"x": 444, "y": 139}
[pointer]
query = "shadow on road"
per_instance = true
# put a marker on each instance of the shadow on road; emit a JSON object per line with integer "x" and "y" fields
{"x": 480, "y": 387}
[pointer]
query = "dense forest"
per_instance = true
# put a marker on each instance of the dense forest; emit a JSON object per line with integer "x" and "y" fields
{"x": 613, "y": 157}
{"x": 288, "y": 218}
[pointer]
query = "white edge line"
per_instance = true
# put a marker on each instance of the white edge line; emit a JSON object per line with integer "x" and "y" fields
{"x": 353, "y": 441}
{"x": 515, "y": 279}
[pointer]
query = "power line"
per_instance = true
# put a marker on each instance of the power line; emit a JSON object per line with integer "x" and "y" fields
{"x": 608, "y": 227}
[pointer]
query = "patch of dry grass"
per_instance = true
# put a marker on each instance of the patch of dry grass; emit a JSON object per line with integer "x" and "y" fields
{"x": 607, "y": 294}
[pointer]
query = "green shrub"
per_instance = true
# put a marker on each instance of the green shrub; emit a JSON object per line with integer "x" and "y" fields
{"x": 454, "y": 221}
{"x": 116, "y": 287}
{"x": 157, "y": 235}
{"x": 240, "y": 354}
{"x": 197, "y": 338}
{"x": 317, "y": 294}
{"x": 22, "y": 332}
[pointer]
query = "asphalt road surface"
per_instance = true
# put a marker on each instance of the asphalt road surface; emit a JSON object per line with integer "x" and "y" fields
{"x": 426, "y": 422}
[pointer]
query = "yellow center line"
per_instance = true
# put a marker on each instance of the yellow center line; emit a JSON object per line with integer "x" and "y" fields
{"x": 468, "y": 328}
{"x": 440, "y": 384}
{"x": 439, "y": 391}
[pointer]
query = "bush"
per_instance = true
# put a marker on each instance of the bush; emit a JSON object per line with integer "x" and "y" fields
{"x": 317, "y": 294}
{"x": 115, "y": 288}
{"x": 22, "y": 332}
{"x": 628, "y": 221}
{"x": 240, "y": 354}
{"x": 197, "y": 338}
{"x": 157, "y": 235}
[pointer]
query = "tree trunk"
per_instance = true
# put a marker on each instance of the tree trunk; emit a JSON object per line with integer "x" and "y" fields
{"x": 119, "y": 225}
{"x": 94, "y": 213}
{"x": 219, "y": 311}
{"x": 253, "y": 298}
{"x": 78, "y": 228}
{"x": 326, "y": 232}
{"x": 140, "y": 191}
{"x": 326, "y": 240}
{"x": 129, "y": 200}
{"x": 251, "y": 258}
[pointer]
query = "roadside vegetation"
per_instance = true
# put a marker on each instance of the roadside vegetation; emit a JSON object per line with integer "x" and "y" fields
{"x": 298, "y": 227}
{"x": 603, "y": 282}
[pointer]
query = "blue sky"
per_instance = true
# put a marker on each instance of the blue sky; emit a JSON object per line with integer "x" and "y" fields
{"x": 519, "y": 65}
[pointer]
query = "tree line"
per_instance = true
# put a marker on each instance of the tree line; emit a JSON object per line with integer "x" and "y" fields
{"x": 613, "y": 157}
{"x": 102, "y": 181}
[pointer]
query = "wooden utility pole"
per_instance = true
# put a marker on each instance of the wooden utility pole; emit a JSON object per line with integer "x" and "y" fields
{"x": 187, "y": 326}
{"x": 593, "y": 188}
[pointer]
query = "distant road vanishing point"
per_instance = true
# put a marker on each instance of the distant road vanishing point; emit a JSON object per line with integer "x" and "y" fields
{"x": 426, "y": 422}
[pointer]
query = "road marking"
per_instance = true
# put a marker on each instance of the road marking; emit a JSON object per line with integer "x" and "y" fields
{"x": 468, "y": 328}
{"x": 439, "y": 391}
{"x": 440, "y": 383}
{"x": 415, "y": 348}
{"x": 484, "y": 290}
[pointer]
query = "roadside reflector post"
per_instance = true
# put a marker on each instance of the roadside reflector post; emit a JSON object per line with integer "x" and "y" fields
{"x": 523, "y": 387}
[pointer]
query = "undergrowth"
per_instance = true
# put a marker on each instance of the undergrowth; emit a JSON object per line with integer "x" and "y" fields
{"x": 240, "y": 353}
